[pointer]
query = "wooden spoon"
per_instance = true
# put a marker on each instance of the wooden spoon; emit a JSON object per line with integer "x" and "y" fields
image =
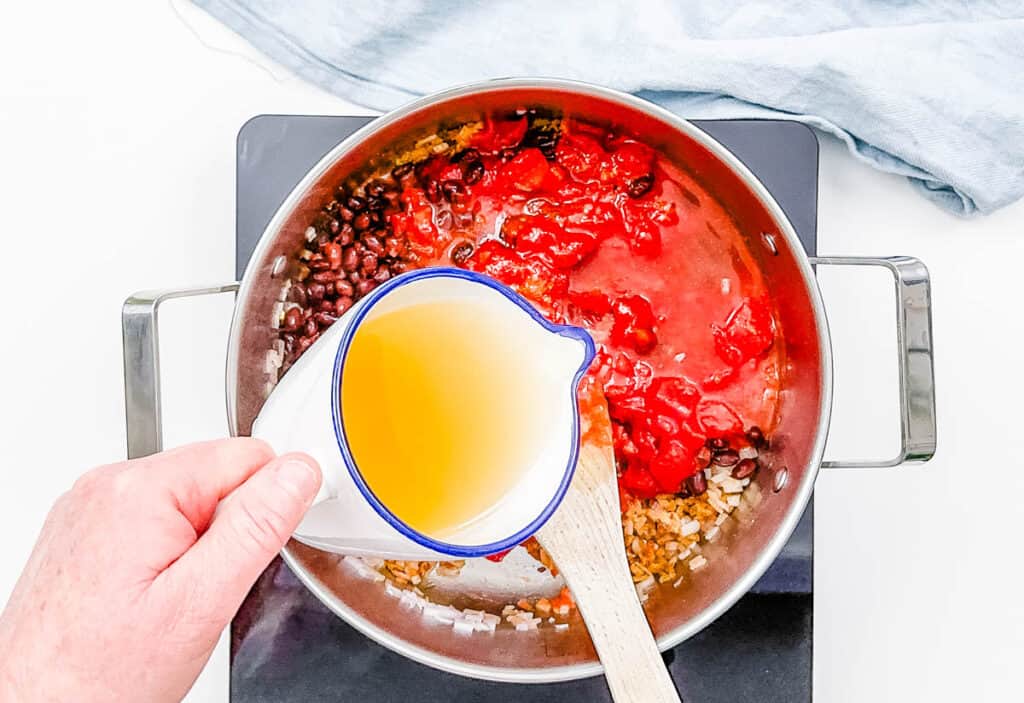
{"x": 584, "y": 537}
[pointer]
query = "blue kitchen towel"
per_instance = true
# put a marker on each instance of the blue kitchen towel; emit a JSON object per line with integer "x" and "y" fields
{"x": 932, "y": 90}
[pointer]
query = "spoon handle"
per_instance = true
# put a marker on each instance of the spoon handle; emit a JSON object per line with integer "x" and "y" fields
{"x": 584, "y": 537}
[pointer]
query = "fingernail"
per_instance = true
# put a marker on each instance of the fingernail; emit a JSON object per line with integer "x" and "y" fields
{"x": 298, "y": 478}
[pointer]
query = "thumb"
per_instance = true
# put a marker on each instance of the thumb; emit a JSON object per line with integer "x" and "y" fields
{"x": 251, "y": 526}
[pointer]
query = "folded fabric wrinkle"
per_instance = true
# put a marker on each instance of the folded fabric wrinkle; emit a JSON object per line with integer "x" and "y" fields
{"x": 931, "y": 90}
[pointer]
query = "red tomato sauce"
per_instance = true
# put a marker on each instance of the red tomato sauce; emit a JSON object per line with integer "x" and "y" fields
{"x": 599, "y": 230}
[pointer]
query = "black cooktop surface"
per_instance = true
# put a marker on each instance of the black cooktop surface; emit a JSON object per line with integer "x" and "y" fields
{"x": 286, "y": 646}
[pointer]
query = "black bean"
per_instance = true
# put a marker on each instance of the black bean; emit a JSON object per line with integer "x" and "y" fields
{"x": 292, "y": 319}
{"x": 703, "y": 457}
{"x": 343, "y": 288}
{"x": 376, "y": 202}
{"x": 350, "y": 259}
{"x": 318, "y": 263}
{"x": 355, "y": 203}
{"x": 316, "y": 291}
{"x": 638, "y": 187}
{"x": 323, "y": 276}
{"x": 375, "y": 189}
{"x": 461, "y": 253}
{"x": 373, "y": 244}
{"x": 368, "y": 265}
{"x": 726, "y": 457}
{"x": 444, "y": 220}
{"x": 297, "y": 293}
{"x": 744, "y": 469}
{"x": 432, "y": 189}
{"x": 304, "y": 343}
{"x": 326, "y": 306}
{"x": 346, "y": 235}
{"x": 342, "y": 304}
{"x": 474, "y": 171}
{"x": 326, "y": 319}
{"x": 394, "y": 247}
{"x": 466, "y": 156}
{"x": 716, "y": 443}
{"x": 756, "y": 437}
{"x": 362, "y": 221}
{"x": 452, "y": 189}
{"x": 398, "y": 267}
{"x": 399, "y": 172}
{"x": 364, "y": 287}
{"x": 382, "y": 275}
{"x": 311, "y": 327}
{"x": 697, "y": 484}
{"x": 345, "y": 215}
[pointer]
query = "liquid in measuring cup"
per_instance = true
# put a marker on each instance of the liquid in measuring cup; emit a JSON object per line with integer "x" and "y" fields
{"x": 444, "y": 409}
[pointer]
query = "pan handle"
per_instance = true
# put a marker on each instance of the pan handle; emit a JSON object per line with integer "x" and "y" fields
{"x": 142, "y": 364}
{"x": 916, "y": 357}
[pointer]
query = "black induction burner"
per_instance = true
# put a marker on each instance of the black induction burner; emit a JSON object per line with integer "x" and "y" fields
{"x": 286, "y": 646}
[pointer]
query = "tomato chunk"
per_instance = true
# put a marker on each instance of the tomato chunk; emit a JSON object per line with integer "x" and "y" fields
{"x": 580, "y": 155}
{"x": 674, "y": 396}
{"x": 672, "y": 465}
{"x": 748, "y": 333}
{"x": 717, "y": 419}
{"x": 527, "y": 171}
{"x": 634, "y": 323}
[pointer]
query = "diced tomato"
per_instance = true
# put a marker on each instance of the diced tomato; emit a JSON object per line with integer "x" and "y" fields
{"x": 598, "y": 219}
{"x": 500, "y": 134}
{"x": 717, "y": 419}
{"x": 747, "y": 334}
{"x": 632, "y": 160}
{"x": 643, "y": 234}
{"x": 634, "y": 323}
{"x": 580, "y": 155}
{"x": 556, "y": 179}
{"x": 416, "y": 222}
{"x": 644, "y": 439}
{"x": 672, "y": 465}
{"x": 499, "y": 556}
{"x": 537, "y": 235}
{"x": 639, "y": 482}
{"x": 527, "y": 171}
{"x": 625, "y": 499}
{"x": 627, "y": 406}
{"x": 674, "y": 396}
{"x": 593, "y": 303}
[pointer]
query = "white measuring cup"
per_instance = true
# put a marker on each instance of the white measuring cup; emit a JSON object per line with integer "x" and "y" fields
{"x": 303, "y": 413}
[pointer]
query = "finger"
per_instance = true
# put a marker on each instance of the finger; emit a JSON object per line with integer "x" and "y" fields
{"x": 249, "y": 529}
{"x": 198, "y": 476}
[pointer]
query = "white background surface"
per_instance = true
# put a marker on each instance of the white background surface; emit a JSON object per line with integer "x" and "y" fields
{"x": 117, "y": 145}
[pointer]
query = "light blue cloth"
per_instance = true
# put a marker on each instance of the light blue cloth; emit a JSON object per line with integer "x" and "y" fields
{"x": 932, "y": 90}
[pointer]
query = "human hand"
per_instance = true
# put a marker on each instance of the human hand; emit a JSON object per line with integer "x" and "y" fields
{"x": 141, "y": 565}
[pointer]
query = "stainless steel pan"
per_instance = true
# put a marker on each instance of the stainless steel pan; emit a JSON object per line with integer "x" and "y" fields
{"x": 750, "y": 543}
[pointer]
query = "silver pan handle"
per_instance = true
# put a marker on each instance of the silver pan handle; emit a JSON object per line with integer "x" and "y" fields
{"x": 916, "y": 357}
{"x": 142, "y": 364}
